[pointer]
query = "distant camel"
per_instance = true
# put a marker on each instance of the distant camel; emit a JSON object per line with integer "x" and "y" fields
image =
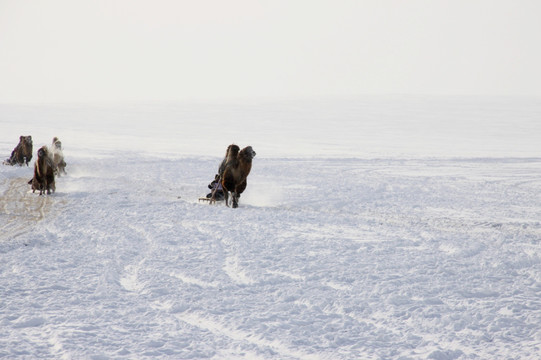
{"x": 57, "y": 156}
{"x": 22, "y": 154}
{"x": 43, "y": 179}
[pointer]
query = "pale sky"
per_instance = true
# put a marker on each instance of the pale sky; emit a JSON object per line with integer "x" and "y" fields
{"x": 135, "y": 50}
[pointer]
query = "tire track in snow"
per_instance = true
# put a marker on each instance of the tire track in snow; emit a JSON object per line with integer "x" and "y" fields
{"x": 374, "y": 328}
{"x": 22, "y": 209}
{"x": 129, "y": 278}
{"x": 55, "y": 341}
{"x": 239, "y": 335}
{"x": 231, "y": 264}
{"x": 234, "y": 270}
{"x": 191, "y": 280}
{"x": 287, "y": 275}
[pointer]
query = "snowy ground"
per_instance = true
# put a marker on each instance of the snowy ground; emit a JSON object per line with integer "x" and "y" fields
{"x": 403, "y": 228}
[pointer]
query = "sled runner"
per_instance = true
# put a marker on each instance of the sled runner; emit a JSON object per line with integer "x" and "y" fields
{"x": 207, "y": 199}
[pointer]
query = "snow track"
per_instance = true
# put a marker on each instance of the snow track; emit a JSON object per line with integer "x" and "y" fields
{"x": 21, "y": 209}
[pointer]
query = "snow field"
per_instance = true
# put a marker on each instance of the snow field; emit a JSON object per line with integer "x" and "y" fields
{"x": 343, "y": 258}
{"x": 404, "y": 229}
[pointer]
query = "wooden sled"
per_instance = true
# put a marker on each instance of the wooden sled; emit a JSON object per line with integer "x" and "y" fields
{"x": 208, "y": 199}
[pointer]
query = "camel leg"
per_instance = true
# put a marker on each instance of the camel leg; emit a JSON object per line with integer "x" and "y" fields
{"x": 226, "y": 197}
{"x": 235, "y": 200}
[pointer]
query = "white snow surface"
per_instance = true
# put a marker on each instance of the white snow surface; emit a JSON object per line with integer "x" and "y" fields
{"x": 373, "y": 228}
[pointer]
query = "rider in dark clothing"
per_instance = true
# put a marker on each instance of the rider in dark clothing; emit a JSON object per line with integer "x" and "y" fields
{"x": 216, "y": 185}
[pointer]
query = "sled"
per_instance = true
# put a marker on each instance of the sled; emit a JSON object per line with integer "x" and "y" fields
{"x": 208, "y": 199}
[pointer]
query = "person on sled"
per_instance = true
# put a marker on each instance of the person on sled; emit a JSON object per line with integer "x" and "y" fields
{"x": 216, "y": 186}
